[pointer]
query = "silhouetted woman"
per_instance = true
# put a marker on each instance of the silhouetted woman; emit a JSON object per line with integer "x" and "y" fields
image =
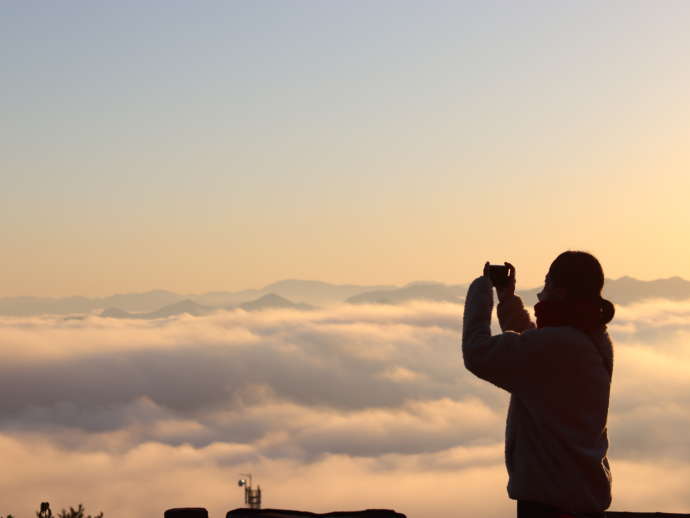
{"x": 559, "y": 376}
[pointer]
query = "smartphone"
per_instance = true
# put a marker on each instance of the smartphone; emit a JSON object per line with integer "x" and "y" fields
{"x": 498, "y": 275}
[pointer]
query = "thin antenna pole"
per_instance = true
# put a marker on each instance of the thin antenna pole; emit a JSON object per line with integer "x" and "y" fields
{"x": 252, "y": 497}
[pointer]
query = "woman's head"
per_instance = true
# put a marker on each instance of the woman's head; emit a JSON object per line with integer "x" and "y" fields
{"x": 576, "y": 277}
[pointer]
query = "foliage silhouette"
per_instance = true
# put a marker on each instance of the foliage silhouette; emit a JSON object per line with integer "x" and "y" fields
{"x": 79, "y": 512}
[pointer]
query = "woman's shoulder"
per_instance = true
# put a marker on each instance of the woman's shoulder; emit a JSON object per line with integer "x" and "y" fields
{"x": 571, "y": 348}
{"x": 560, "y": 339}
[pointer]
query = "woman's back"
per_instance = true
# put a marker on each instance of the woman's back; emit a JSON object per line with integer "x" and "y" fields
{"x": 556, "y": 439}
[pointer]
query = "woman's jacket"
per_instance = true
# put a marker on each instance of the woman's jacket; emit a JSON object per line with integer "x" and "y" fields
{"x": 559, "y": 380}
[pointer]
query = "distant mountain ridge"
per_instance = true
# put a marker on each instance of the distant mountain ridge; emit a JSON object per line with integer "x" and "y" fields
{"x": 312, "y": 293}
{"x": 303, "y": 294}
{"x": 273, "y": 301}
{"x": 435, "y": 291}
{"x": 627, "y": 290}
{"x": 178, "y": 308}
{"x": 189, "y": 307}
{"x": 145, "y": 301}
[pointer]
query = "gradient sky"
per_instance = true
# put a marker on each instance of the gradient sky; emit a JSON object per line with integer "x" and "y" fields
{"x": 200, "y": 146}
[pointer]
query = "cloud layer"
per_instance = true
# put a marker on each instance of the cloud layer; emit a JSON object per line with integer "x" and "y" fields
{"x": 349, "y": 407}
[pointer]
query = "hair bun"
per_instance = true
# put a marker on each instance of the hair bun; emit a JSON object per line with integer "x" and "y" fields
{"x": 607, "y": 311}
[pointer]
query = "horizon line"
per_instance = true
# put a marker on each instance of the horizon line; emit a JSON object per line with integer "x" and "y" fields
{"x": 294, "y": 279}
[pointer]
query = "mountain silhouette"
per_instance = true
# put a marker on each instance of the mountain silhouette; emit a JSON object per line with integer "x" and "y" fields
{"x": 189, "y": 307}
{"x": 145, "y": 301}
{"x": 117, "y": 313}
{"x": 272, "y": 301}
{"x": 178, "y": 308}
{"x": 161, "y": 303}
{"x": 627, "y": 290}
{"x": 317, "y": 292}
{"x": 435, "y": 291}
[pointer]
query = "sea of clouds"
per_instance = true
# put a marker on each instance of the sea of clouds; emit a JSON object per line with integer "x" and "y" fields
{"x": 350, "y": 407}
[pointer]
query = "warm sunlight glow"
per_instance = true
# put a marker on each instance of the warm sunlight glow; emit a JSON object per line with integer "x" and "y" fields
{"x": 237, "y": 237}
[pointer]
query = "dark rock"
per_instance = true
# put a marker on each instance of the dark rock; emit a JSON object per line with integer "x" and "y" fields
{"x": 186, "y": 512}
{"x": 285, "y": 513}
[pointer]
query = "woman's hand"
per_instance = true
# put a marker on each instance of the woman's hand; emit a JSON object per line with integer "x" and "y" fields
{"x": 486, "y": 272}
{"x": 507, "y": 291}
